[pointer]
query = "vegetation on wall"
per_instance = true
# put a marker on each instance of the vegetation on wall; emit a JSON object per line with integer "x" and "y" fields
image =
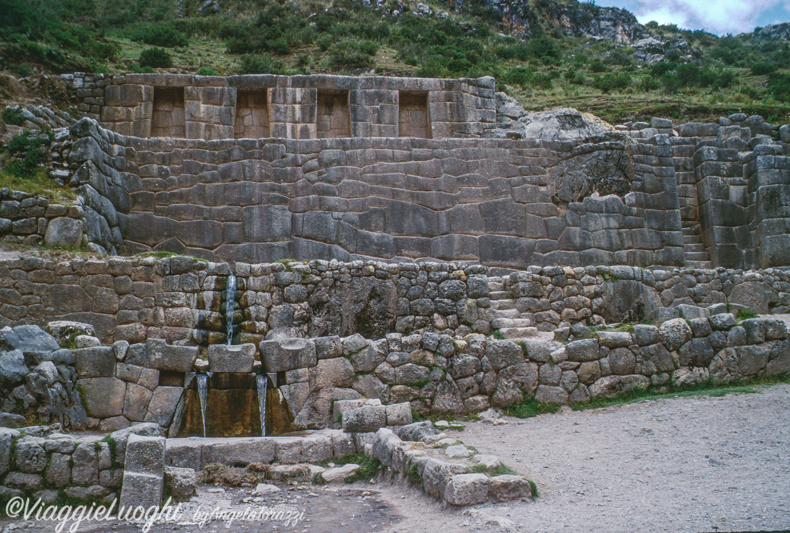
{"x": 539, "y": 62}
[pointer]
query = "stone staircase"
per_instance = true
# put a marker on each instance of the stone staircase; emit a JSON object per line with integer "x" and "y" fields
{"x": 505, "y": 316}
{"x": 695, "y": 255}
{"x": 694, "y": 252}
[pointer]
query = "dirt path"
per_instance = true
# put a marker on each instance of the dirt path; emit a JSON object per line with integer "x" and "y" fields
{"x": 684, "y": 464}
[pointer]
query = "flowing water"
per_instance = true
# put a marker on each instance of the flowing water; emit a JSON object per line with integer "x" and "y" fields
{"x": 230, "y": 306}
{"x": 202, "y": 381}
{"x": 262, "y": 381}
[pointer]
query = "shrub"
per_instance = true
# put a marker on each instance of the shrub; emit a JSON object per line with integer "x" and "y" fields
{"x": 27, "y": 152}
{"x": 763, "y": 68}
{"x": 12, "y": 115}
{"x": 348, "y": 54}
{"x": 156, "y": 58}
{"x": 610, "y": 82}
{"x": 207, "y": 71}
{"x": 779, "y": 86}
{"x": 261, "y": 64}
{"x": 597, "y": 66}
{"x": 160, "y": 35}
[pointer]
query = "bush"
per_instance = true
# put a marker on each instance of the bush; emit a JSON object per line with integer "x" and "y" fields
{"x": 207, "y": 71}
{"x": 27, "y": 152}
{"x": 156, "y": 58}
{"x": 12, "y": 115}
{"x": 610, "y": 82}
{"x": 348, "y": 54}
{"x": 779, "y": 86}
{"x": 160, "y": 35}
{"x": 763, "y": 68}
{"x": 597, "y": 66}
{"x": 261, "y": 64}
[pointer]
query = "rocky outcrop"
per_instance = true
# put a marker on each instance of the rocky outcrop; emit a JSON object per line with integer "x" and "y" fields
{"x": 652, "y": 50}
{"x": 37, "y": 380}
{"x": 773, "y": 31}
{"x": 523, "y": 19}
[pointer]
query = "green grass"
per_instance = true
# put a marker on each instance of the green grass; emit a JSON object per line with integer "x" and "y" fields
{"x": 530, "y": 407}
{"x": 39, "y": 184}
{"x": 503, "y": 470}
{"x": 731, "y": 74}
{"x": 745, "y": 314}
{"x": 368, "y": 467}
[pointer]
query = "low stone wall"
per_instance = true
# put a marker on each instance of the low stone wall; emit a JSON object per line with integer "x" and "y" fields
{"x": 182, "y": 300}
{"x": 40, "y": 462}
{"x": 438, "y": 373}
{"x": 34, "y": 220}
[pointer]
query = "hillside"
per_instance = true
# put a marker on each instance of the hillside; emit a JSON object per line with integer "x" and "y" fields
{"x": 545, "y": 53}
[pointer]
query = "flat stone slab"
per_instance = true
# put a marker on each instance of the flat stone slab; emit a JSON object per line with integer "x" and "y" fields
{"x": 237, "y": 358}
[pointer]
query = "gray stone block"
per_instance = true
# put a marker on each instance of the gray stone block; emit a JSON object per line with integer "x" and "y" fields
{"x": 288, "y": 354}
{"x": 163, "y": 356}
{"x": 231, "y": 358}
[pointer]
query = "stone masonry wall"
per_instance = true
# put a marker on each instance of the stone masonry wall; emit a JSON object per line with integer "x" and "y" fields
{"x": 487, "y": 200}
{"x": 457, "y": 108}
{"x": 181, "y": 300}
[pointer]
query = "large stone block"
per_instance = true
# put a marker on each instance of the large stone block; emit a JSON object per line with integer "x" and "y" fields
{"x": 104, "y": 397}
{"x": 279, "y": 355}
{"x": 95, "y": 362}
{"x": 231, "y": 358}
{"x": 163, "y": 356}
{"x": 466, "y": 489}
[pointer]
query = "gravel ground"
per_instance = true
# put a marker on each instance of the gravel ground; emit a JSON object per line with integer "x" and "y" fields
{"x": 699, "y": 464}
{"x": 683, "y": 464}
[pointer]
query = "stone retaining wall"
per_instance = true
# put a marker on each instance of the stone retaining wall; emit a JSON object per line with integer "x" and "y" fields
{"x": 181, "y": 300}
{"x": 41, "y": 462}
{"x": 499, "y": 202}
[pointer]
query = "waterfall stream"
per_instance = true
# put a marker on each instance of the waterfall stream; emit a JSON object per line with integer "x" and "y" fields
{"x": 262, "y": 382}
{"x": 230, "y": 306}
{"x": 202, "y": 381}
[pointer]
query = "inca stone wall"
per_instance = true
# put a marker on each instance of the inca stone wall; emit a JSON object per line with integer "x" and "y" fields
{"x": 400, "y": 183}
{"x": 181, "y": 300}
{"x": 484, "y": 200}
{"x": 296, "y": 106}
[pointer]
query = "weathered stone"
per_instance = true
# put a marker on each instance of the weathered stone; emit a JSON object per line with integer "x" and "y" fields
{"x": 182, "y": 482}
{"x": 674, "y": 333}
{"x": 231, "y": 358}
{"x": 163, "y": 356}
{"x": 95, "y": 362}
{"x": 63, "y": 232}
{"x": 582, "y": 350}
{"x": 336, "y": 372}
{"x": 416, "y": 431}
{"x": 613, "y": 385}
{"x": 622, "y": 361}
{"x": 163, "y": 404}
{"x": 30, "y": 456}
{"x": 398, "y": 414}
{"x": 86, "y": 464}
{"x": 614, "y": 339}
{"x": 288, "y": 354}
{"x": 509, "y": 487}
{"x": 467, "y": 489}
{"x": 548, "y": 394}
{"x": 502, "y": 353}
{"x": 104, "y": 397}
{"x": 722, "y": 321}
{"x": 340, "y": 473}
{"x": 365, "y": 418}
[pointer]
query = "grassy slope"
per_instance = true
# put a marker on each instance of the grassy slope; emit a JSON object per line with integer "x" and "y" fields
{"x": 344, "y": 36}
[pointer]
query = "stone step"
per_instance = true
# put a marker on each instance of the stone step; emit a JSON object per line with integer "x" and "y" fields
{"x": 505, "y": 313}
{"x": 505, "y": 323}
{"x": 693, "y": 247}
{"x": 144, "y": 472}
{"x": 520, "y": 333}
{"x": 692, "y": 240}
{"x": 498, "y": 295}
{"x": 699, "y": 264}
{"x": 696, "y": 256}
{"x": 495, "y": 286}
{"x": 691, "y": 228}
{"x": 502, "y": 305}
